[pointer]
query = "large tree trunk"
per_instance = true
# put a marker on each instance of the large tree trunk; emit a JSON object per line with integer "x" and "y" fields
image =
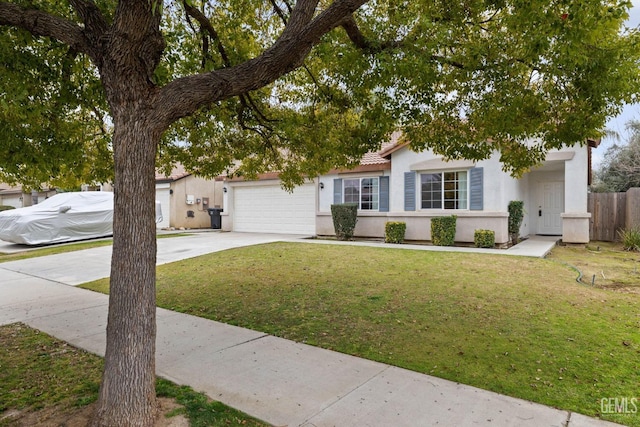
{"x": 131, "y": 50}
{"x": 127, "y": 393}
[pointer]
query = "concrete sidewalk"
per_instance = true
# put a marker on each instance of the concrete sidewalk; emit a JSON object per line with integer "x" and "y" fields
{"x": 534, "y": 246}
{"x": 276, "y": 380}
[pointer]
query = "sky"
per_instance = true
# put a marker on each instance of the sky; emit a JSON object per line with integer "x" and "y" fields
{"x": 630, "y": 112}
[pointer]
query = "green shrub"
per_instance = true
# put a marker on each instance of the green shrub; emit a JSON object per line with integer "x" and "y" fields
{"x": 344, "y": 217}
{"x": 394, "y": 232}
{"x": 5, "y": 208}
{"x": 516, "y": 213}
{"x": 443, "y": 230}
{"x": 630, "y": 239}
{"x": 484, "y": 238}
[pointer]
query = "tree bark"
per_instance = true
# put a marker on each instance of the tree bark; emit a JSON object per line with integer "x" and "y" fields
{"x": 127, "y": 393}
{"x": 132, "y": 48}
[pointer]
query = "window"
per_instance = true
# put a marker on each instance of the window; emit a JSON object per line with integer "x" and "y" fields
{"x": 362, "y": 191}
{"x": 444, "y": 190}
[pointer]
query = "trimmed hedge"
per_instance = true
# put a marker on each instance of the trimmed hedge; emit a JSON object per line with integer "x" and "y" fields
{"x": 443, "y": 230}
{"x": 484, "y": 238}
{"x": 5, "y": 208}
{"x": 516, "y": 213}
{"x": 344, "y": 217}
{"x": 394, "y": 231}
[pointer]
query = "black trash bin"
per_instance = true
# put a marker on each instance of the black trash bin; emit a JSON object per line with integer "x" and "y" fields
{"x": 216, "y": 219}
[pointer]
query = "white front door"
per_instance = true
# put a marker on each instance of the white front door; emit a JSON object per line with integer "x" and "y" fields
{"x": 550, "y": 207}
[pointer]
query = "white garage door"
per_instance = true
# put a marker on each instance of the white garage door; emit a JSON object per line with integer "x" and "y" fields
{"x": 163, "y": 195}
{"x": 270, "y": 209}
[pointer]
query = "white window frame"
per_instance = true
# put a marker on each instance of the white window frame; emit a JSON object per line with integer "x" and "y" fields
{"x": 375, "y": 202}
{"x": 444, "y": 201}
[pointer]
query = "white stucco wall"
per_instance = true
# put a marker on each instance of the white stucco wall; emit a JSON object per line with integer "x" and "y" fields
{"x": 576, "y": 182}
{"x": 371, "y": 224}
{"x": 568, "y": 165}
{"x": 14, "y": 200}
{"x": 325, "y": 195}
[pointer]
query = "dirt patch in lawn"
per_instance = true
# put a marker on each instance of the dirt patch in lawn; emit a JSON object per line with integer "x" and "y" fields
{"x": 58, "y": 416}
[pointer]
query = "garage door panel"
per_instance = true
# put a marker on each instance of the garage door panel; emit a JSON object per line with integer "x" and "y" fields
{"x": 270, "y": 209}
{"x": 163, "y": 195}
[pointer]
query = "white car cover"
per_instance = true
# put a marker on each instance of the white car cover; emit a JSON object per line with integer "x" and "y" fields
{"x": 64, "y": 217}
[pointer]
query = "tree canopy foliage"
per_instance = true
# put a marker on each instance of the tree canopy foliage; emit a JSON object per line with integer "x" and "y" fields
{"x": 93, "y": 88}
{"x": 620, "y": 168}
{"x": 462, "y": 78}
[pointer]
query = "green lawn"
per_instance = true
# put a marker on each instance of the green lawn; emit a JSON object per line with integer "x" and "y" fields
{"x": 519, "y": 326}
{"x": 47, "y": 381}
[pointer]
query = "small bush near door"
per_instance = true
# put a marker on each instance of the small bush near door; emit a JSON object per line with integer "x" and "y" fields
{"x": 484, "y": 238}
{"x": 394, "y": 232}
{"x": 344, "y": 217}
{"x": 516, "y": 214}
{"x": 443, "y": 230}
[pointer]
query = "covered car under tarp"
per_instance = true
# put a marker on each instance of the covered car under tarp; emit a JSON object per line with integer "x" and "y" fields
{"x": 65, "y": 217}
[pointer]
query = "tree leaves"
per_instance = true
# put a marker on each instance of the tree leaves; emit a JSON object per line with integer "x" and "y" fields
{"x": 461, "y": 78}
{"x": 620, "y": 169}
{"x": 51, "y": 115}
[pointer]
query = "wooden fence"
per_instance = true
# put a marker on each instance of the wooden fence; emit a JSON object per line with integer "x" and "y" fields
{"x": 608, "y": 215}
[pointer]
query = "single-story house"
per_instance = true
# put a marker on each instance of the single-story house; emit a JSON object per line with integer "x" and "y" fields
{"x": 399, "y": 184}
{"x": 185, "y": 198}
{"x": 16, "y": 197}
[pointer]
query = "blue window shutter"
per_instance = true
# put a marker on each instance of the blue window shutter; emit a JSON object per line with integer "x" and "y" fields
{"x": 409, "y": 191}
{"x": 337, "y": 191}
{"x": 384, "y": 194}
{"x": 476, "y": 189}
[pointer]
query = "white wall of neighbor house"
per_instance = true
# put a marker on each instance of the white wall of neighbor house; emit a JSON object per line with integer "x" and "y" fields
{"x": 14, "y": 199}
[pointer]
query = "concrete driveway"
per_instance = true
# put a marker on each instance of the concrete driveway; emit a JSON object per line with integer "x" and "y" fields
{"x": 96, "y": 262}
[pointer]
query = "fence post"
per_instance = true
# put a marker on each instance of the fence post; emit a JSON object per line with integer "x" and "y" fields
{"x": 633, "y": 208}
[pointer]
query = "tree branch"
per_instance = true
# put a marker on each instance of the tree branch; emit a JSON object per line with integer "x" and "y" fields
{"x": 94, "y": 23}
{"x": 184, "y": 96}
{"x": 206, "y": 25}
{"x": 41, "y": 23}
{"x": 279, "y": 11}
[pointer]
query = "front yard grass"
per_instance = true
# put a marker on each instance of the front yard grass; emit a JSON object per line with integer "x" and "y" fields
{"x": 604, "y": 265}
{"x": 518, "y": 326}
{"x": 45, "y": 381}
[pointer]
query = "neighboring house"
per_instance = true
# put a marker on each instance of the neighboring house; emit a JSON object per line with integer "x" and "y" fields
{"x": 14, "y": 196}
{"x": 398, "y": 184}
{"x": 185, "y": 199}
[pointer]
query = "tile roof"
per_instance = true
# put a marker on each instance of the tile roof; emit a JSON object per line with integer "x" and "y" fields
{"x": 380, "y": 157}
{"x": 177, "y": 173}
{"x": 373, "y": 158}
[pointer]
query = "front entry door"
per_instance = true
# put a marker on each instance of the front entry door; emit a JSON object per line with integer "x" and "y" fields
{"x": 550, "y": 207}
